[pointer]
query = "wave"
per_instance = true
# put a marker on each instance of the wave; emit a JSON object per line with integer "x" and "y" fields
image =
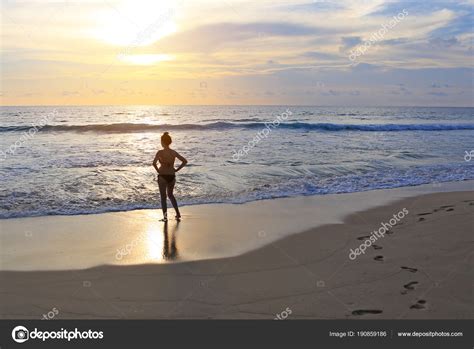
{"x": 24, "y": 204}
{"x": 223, "y": 125}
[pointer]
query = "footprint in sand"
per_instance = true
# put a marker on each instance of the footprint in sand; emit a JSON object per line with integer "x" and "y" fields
{"x": 450, "y": 209}
{"x": 409, "y": 287}
{"x": 419, "y": 305}
{"x": 411, "y": 270}
{"x": 420, "y": 219}
{"x": 389, "y": 232}
{"x": 376, "y": 247}
{"x": 446, "y": 206}
{"x": 366, "y": 311}
{"x": 379, "y": 258}
{"x": 365, "y": 237}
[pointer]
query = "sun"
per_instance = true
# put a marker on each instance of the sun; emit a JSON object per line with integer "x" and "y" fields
{"x": 135, "y": 23}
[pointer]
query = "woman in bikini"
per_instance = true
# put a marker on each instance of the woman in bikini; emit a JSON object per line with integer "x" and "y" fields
{"x": 166, "y": 173}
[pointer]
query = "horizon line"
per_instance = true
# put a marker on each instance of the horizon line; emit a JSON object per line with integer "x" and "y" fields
{"x": 238, "y": 105}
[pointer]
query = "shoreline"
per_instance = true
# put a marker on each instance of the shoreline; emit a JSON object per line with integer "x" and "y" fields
{"x": 458, "y": 185}
{"x": 420, "y": 270}
{"x": 206, "y": 232}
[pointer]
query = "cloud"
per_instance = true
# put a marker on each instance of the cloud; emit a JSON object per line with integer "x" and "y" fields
{"x": 401, "y": 90}
{"x": 393, "y": 42}
{"x": 321, "y": 55}
{"x": 349, "y": 42}
{"x": 70, "y": 93}
{"x": 334, "y": 93}
{"x": 214, "y": 36}
{"x": 317, "y": 6}
{"x": 443, "y": 43}
{"x": 365, "y": 67}
{"x": 418, "y": 8}
{"x": 438, "y": 94}
{"x": 435, "y": 85}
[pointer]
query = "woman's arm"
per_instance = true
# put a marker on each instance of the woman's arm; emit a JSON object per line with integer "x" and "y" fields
{"x": 155, "y": 162}
{"x": 183, "y": 161}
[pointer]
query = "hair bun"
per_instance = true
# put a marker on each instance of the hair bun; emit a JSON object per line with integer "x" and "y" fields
{"x": 166, "y": 138}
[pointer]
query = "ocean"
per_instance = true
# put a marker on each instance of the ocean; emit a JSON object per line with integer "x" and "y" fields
{"x": 92, "y": 159}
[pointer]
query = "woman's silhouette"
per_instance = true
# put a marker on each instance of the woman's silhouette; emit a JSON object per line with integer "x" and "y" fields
{"x": 166, "y": 173}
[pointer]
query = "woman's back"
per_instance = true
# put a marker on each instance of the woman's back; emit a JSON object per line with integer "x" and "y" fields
{"x": 166, "y": 157}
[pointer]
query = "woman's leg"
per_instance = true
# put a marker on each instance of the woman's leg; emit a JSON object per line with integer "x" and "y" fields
{"x": 162, "y": 185}
{"x": 170, "y": 189}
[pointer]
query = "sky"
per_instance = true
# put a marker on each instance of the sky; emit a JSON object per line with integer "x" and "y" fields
{"x": 237, "y": 52}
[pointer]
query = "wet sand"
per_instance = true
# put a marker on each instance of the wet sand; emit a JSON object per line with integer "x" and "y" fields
{"x": 420, "y": 268}
{"x": 206, "y": 231}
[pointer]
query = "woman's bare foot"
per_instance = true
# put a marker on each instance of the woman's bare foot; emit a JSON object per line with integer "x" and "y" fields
{"x": 165, "y": 217}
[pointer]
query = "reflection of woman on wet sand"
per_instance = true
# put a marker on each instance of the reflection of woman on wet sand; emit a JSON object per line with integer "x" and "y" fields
{"x": 166, "y": 173}
{"x": 170, "y": 250}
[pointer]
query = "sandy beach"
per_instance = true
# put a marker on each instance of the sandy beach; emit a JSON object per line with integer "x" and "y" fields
{"x": 421, "y": 268}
